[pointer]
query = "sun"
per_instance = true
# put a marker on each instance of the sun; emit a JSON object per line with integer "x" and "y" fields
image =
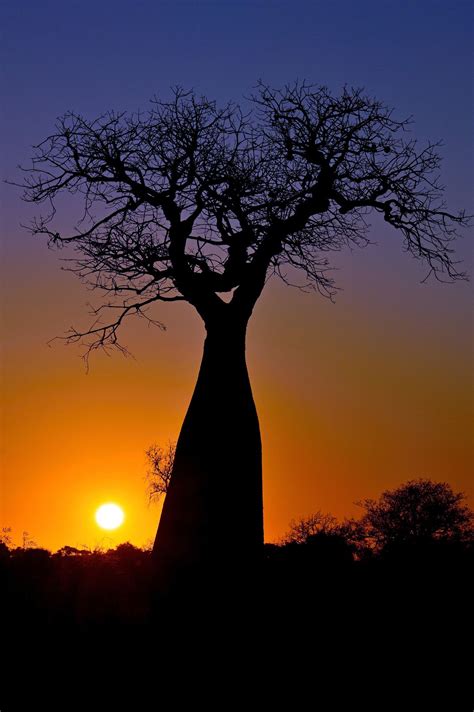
{"x": 109, "y": 516}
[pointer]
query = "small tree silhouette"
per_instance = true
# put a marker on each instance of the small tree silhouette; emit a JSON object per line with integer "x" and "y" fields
{"x": 417, "y": 512}
{"x": 27, "y": 541}
{"x": 301, "y": 530}
{"x": 160, "y": 466}
{"x": 6, "y": 536}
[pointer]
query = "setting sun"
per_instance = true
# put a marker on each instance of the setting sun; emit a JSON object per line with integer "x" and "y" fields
{"x": 109, "y": 516}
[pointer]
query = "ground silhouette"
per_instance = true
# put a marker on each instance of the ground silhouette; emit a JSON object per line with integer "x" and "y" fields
{"x": 331, "y": 615}
{"x": 329, "y": 604}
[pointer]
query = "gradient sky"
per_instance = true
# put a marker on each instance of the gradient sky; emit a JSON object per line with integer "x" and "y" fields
{"x": 354, "y": 397}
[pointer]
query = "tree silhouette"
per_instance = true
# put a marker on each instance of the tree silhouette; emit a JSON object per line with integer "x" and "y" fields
{"x": 6, "y": 536}
{"x": 418, "y": 511}
{"x": 301, "y": 530}
{"x": 27, "y": 541}
{"x": 160, "y": 468}
{"x": 189, "y": 201}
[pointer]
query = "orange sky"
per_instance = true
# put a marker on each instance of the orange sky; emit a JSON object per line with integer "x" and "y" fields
{"x": 353, "y": 397}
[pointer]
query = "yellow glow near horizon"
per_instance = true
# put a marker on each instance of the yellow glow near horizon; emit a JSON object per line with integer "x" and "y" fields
{"x": 109, "y": 516}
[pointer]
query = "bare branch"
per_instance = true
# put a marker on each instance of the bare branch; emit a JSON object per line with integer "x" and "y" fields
{"x": 189, "y": 200}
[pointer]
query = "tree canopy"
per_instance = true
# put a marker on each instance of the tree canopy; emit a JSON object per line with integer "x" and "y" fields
{"x": 418, "y": 511}
{"x": 189, "y": 200}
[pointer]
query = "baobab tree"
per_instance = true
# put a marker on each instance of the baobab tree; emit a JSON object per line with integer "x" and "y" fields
{"x": 190, "y": 202}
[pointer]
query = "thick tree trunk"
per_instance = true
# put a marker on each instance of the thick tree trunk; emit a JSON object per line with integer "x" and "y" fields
{"x": 212, "y": 519}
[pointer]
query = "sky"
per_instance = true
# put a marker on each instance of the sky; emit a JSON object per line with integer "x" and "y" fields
{"x": 353, "y": 397}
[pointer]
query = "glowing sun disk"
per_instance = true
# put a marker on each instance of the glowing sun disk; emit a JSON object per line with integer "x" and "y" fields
{"x": 109, "y": 516}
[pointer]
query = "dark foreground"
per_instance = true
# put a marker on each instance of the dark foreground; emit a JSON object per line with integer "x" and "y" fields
{"x": 313, "y": 627}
